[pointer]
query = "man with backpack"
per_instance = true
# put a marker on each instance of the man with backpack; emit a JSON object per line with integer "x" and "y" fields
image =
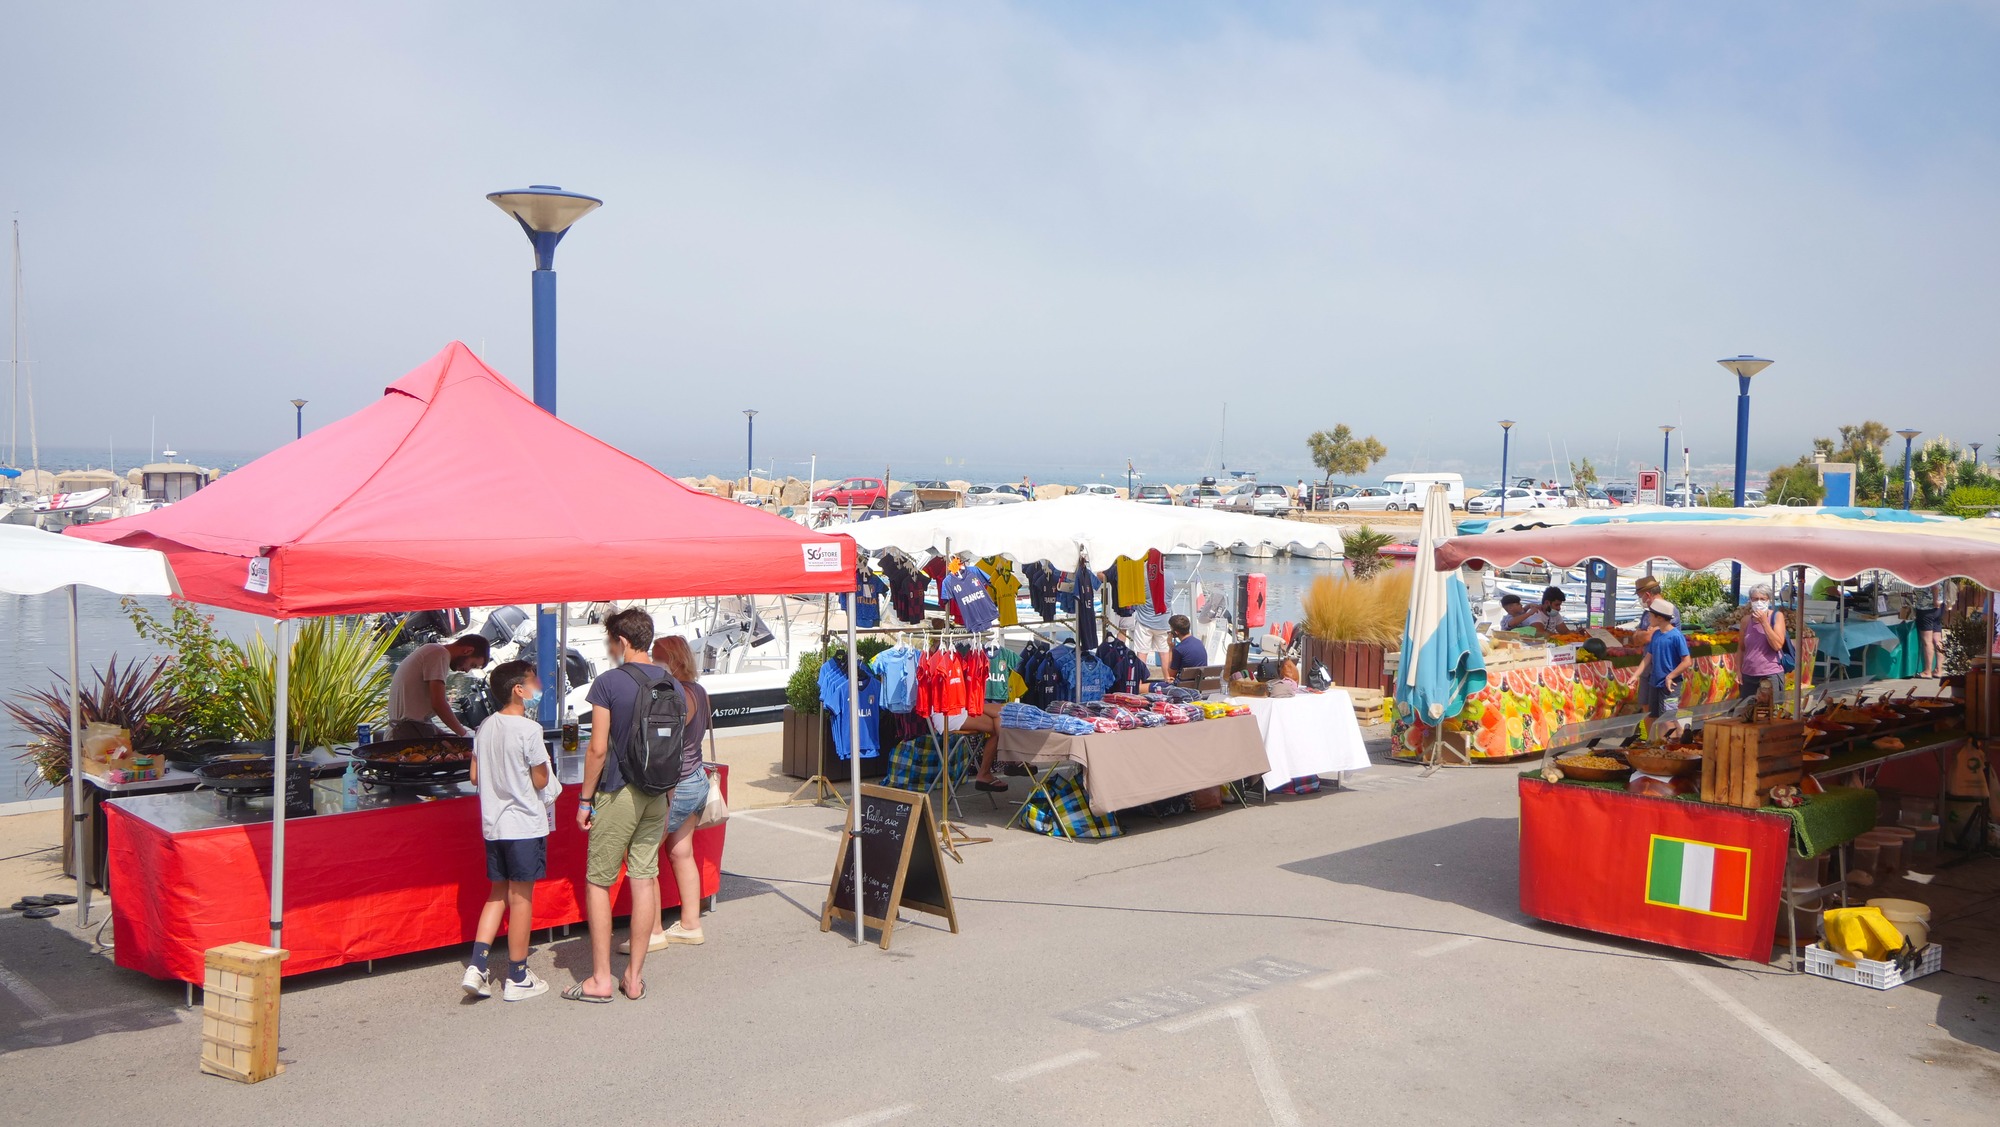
{"x": 635, "y": 761}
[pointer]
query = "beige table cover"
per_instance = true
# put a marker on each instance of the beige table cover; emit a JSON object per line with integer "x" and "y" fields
{"x": 1126, "y": 769}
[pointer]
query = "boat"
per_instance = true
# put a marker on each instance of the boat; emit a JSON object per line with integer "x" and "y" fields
{"x": 1314, "y": 551}
{"x": 1257, "y": 551}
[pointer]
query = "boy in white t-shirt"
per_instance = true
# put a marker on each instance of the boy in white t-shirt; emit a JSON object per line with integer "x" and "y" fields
{"x": 510, "y": 766}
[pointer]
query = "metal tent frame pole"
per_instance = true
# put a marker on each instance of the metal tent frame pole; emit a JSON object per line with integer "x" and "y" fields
{"x": 78, "y": 816}
{"x": 854, "y": 770}
{"x": 281, "y": 748}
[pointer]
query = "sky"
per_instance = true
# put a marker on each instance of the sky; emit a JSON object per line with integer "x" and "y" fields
{"x": 1048, "y": 238}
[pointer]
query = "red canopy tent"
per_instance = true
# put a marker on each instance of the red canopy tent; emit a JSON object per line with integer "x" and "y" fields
{"x": 454, "y": 489}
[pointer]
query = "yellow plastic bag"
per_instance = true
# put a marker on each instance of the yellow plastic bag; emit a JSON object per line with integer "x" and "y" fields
{"x": 1862, "y": 933}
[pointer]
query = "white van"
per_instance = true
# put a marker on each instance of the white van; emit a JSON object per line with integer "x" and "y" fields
{"x": 1407, "y": 491}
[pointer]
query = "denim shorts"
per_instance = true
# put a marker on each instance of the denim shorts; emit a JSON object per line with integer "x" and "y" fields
{"x": 690, "y": 795}
{"x": 517, "y": 859}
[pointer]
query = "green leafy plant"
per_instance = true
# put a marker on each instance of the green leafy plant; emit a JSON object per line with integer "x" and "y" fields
{"x": 1796, "y": 484}
{"x": 136, "y": 698}
{"x": 1696, "y": 594}
{"x": 1963, "y": 642}
{"x": 205, "y": 671}
{"x": 1363, "y": 549}
{"x": 338, "y": 681}
{"x": 1972, "y": 501}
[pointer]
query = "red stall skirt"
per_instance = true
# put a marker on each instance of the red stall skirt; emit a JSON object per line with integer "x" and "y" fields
{"x": 363, "y": 885}
{"x": 1602, "y": 860}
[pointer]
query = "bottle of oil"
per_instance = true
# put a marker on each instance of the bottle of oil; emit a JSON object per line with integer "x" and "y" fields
{"x": 569, "y": 730}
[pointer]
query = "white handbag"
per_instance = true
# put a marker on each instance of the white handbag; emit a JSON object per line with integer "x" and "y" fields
{"x": 715, "y": 811}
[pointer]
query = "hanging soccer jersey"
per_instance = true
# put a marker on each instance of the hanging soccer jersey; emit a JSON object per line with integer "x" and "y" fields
{"x": 1130, "y": 577}
{"x": 867, "y": 598}
{"x": 1156, "y": 581}
{"x": 969, "y": 598}
{"x": 1005, "y": 587}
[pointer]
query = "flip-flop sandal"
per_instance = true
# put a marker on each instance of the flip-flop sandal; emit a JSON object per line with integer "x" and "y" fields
{"x": 45, "y": 913}
{"x": 56, "y": 899}
{"x": 639, "y": 997}
{"x": 994, "y": 786}
{"x": 576, "y": 994}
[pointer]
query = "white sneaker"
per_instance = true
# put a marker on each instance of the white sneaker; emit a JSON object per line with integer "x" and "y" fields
{"x": 476, "y": 983}
{"x": 675, "y": 933}
{"x": 658, "y": 942}
{"x": 523, "y": 990}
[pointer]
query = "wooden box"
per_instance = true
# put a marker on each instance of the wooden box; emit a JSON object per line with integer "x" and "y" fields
{"x": 1742, "y": 761}
{"x": 239, "y": 1012}
{"x": 1982, "y": 700}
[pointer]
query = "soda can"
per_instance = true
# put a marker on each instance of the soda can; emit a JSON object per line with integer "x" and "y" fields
{"x": 364, "y": 735}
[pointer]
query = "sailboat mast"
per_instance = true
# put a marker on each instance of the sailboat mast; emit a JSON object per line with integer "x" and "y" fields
{"x": 14, "y": 368}
{"x": 1222, "y": 443}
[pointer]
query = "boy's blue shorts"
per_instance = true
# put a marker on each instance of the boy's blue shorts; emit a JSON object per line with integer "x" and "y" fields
{"x": 524, "y": 858}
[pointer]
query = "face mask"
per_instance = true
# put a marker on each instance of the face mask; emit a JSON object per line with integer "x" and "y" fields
{"x": 531, "y": 700}
{"x": 1759, "y": 606}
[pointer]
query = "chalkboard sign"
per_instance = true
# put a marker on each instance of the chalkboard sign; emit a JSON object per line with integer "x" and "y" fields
{"x": 900, "y": 863}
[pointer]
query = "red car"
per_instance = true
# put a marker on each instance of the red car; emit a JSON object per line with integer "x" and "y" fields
{"x": 856, "y": 492}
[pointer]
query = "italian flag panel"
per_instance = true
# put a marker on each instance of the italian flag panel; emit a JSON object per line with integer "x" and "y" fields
{"x": 1698, "y": 877}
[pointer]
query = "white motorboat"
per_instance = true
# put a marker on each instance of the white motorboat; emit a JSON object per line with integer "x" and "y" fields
{"x": 1258, "y": 551}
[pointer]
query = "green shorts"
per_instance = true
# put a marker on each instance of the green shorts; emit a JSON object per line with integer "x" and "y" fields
{"x": 626, "y": 828}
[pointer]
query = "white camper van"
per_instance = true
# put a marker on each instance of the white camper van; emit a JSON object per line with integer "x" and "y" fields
{"x": 1407, "y": 491}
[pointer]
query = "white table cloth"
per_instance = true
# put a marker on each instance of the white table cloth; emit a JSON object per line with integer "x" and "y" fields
{"x": 1308, "y": 734}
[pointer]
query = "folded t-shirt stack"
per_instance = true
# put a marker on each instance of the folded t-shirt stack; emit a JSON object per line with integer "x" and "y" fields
{"x": 1026, "y": 716}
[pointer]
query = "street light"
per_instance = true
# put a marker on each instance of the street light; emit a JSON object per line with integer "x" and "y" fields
{"x": 1666, "y": 457}
{"x": 750, "y": 441}
{"x": 1909, "y": 475}
{"x": 1975, "y": 453}
{"x": 1744, "y": 367}
{"x": 299, "y": 405}
{"x": 1506, "y": 433}
{"x": 545, "y": 213}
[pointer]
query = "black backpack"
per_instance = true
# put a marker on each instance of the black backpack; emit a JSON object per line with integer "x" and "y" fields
{"x": 650, "y": 749}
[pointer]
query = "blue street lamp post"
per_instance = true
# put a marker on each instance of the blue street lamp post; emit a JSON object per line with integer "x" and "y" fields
{"x": 1909, "y": 471}
{"x": 545, "y": 213}
{"x": 750, "y": 442}
{"x": 1506, "y": 433}
{"x": 299, "y": 405}
{"x": 1744, "y": 367}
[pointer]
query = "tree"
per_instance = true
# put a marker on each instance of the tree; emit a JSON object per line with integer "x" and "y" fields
{"x": 1583, "y": 474}
{"x": 1338, "y": 452}
{"x": 1362, "y": 548}
{"x": 1797, "y": 483}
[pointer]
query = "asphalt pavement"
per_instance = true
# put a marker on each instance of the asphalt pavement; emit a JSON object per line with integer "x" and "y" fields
{"x": 1354, "y": 956}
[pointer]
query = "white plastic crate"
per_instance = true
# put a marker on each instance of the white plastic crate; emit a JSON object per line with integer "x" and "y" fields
{"x": 1868, "y": 972}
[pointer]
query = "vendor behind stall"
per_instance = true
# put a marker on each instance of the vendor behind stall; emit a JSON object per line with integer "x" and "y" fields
{"x": 1516, "y": 615}
{"x": 417, "y": 701}
{"x": 1185, "y": 652}
{"x": 1552, "y": 611}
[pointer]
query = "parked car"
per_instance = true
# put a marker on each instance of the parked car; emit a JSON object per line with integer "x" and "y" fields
{"x": 1370, "y": 499}
{"x": 1622, "y": 493}
{"x": 1411, "y": 490}
{"x": 1264, "y": 500}
{"x": 994, "y": 493}
{"x": 1155, "y": 495}
{"x": 1754, "y": 499}
{"x": 1096, "y": 489}
{"x": 1677, "y": 497}
{"x": 857, "y": 493}
{"x": 1202, "y": 497}
{"x": 922, "y": 495}
{"x": 1519, "y": 499}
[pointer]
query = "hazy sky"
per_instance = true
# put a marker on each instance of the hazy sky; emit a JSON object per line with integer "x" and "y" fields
{"x": 1016, "y": 234}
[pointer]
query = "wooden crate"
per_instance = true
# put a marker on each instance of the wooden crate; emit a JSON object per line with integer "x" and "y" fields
{"x": 1982, "y": 700}
{"x": 239, "y": 1012}
{"x": 1351, "y": 664}
{"x": 1742, "y": 761}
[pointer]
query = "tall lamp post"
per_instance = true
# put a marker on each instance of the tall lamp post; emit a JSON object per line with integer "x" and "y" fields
{"x": 1506, "y": 433}
{"x": 299, "y": 405}
{"x": 750, "y": 441}
{"x": 1975, "y": 453}
{"x": 1744, "y": 367}
{"x": 545, "y": 213}
{"x": 1909, "y": 472}
{"x": 1666, "y": 457}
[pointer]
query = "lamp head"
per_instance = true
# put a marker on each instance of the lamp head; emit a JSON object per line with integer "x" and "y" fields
{"x": 546, "y": 213}
{"x": 1506, "y": 424}
{"x": 1744, "y": 366}
{"x": 300, "y": 403}
{"x": 1666, "y": 428}
{"x": 751, "y": 412}
{"x": 1909, "y": 435}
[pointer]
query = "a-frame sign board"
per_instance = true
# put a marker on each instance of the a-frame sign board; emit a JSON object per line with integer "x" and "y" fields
{"x": 901, "y": 865}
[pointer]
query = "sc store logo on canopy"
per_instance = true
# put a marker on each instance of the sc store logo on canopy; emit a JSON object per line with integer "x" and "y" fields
{"x": 822, "y": 557}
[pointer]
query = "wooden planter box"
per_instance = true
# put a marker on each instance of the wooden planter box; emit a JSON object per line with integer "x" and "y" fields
{"x": 800, "y": 750}
{"x": 1356, "y": 665}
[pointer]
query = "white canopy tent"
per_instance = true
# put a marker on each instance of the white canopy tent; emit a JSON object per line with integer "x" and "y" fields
{"x": 1099, "y": 529}
{"x": 33, "y": 562}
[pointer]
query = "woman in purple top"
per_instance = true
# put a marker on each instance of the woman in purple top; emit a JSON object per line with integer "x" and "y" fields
{"x": 1763, "y": 639}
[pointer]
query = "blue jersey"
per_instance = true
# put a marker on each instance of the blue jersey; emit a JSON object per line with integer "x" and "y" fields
{"x": 975, "y": 603}
{"x": 833, "y": 698}
{"x": 897, "y": 669}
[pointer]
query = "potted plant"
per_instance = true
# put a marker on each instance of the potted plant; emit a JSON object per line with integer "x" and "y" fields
{"x": 1350, "y": 624}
